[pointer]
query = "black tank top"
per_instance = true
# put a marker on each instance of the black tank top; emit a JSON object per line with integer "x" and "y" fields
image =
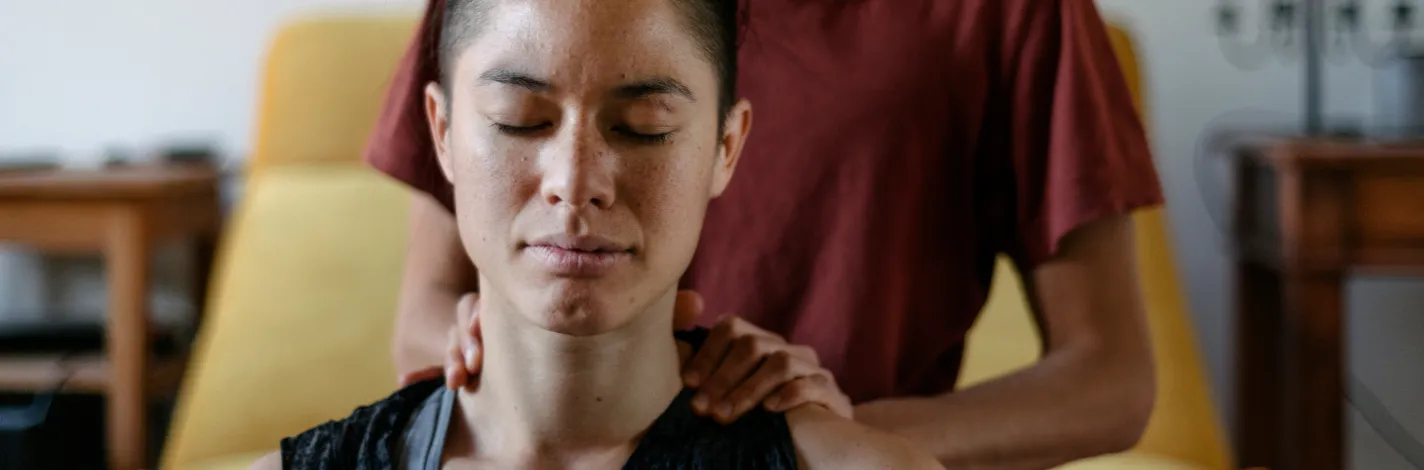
{"x": 407, "y": 431}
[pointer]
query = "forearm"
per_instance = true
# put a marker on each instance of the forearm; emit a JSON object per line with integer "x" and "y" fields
{"x": 1062, "y": 409}
{"x": 437, "y": 274}
{"x": 422, "y": 324}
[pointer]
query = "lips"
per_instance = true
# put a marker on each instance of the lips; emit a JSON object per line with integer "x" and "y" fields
{"x": 578, "y": 256}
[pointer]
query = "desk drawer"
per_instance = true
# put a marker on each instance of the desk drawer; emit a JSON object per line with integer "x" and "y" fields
{"x": 1389, "y": 209}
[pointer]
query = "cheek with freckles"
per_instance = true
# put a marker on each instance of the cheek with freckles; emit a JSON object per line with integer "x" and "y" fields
{"x": 492, "y": 183}
{"x": 668, "y": 197}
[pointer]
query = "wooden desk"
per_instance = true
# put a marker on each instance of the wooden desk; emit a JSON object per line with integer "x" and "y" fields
{"x": 120, "y": 213}
{"x": 1307, "y": 214}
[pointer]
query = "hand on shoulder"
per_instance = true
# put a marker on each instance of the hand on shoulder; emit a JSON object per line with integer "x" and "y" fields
{"x": 825, "y": 440}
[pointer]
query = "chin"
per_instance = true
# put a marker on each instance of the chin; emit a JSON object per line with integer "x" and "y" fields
{"x": 575, "y": 308}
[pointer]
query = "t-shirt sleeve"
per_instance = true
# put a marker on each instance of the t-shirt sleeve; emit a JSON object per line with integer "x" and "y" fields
{"x": 400, "y": 145}
{"x": 1078, "y": 151}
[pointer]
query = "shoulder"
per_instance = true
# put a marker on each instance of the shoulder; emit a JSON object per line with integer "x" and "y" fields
{"x": 351, "y": 440}
{"x": 827, "y": 441}
{"x": 271, "y": 461}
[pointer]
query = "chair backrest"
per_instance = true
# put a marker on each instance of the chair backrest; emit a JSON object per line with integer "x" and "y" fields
{"x": 323, "y": 85}
{"x": 304, "y": 291}
{"x": 1185, "y": 424}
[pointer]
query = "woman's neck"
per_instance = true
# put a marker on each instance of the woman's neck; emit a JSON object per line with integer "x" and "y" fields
{"x": 545, "y": 395}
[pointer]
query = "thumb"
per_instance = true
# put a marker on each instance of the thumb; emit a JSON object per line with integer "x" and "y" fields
{"x": 687, "y": 309}
{"x": 467, "y": 313}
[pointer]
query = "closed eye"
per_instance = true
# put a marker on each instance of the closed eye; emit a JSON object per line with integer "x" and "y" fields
{"x": 651, "y": 139}
{"x": 520, "y": 130}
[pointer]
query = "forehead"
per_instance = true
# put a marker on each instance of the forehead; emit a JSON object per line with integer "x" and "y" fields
{"x": 587, "y": 41}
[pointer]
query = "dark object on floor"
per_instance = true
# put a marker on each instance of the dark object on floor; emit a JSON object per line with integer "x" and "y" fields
{"x": 69, "y": 431}
{"x": 63, "y": 431}
{"x": 51, "y": 431}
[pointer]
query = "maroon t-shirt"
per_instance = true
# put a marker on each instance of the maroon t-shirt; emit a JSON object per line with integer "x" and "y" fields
{"x": 897, "y": 147}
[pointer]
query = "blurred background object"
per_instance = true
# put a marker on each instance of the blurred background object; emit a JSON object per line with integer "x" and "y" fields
{"x": 120, "y": 212}
{"x": 316, "y": 245}
{"x": 1311, "y": 32}
{"x": 1309, "y": 214}
{"x": 1358, "y": 79}
{"x": 1399, "y": 94}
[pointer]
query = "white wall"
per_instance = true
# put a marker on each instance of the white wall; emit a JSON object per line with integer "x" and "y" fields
{"x": 1191, "y": 87}
{"x": 79, "y": 75}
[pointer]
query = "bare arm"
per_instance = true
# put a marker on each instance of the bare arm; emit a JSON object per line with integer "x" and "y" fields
{"x": 437, "y": 273}
{"x": 825, "y": 440}
{"x": 1090, "y": 394}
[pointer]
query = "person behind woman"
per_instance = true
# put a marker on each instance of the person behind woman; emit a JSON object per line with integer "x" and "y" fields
{"x": 902, "y": 146}
{"x": 584, "y": 140}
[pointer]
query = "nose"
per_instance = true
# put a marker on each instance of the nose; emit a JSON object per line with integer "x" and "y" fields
{"x": 578, "y": 171}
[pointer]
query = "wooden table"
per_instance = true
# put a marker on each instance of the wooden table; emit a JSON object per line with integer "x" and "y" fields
{"x": 120, "y": 213}
{"x": 1308, "y": 214}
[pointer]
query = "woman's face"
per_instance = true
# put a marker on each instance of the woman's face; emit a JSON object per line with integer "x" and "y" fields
{"x": 582, "y": 140}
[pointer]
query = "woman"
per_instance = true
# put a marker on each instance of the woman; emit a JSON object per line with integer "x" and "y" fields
{"x": 584, "y": 140}
{"x": 902, "y": 146}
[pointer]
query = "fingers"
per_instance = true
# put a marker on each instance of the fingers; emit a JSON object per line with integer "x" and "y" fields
{"x": 805, "y": 353}
{"x": 778, "y": 369}
{"x": 684, "y": 351}
{"x": 471, "y": 354}
{"x": 707, "y": 356}
{"x": 717, "y": 346}
{"x": 745, "y": 354}
{"x": 687, "y": 309}
{"x": 467, "y": 313}
{"x": 818, "y": 389}
{"x": 740, "y": 366}
{"x": 455, "y": 373}
{"x": 466, "y": 355}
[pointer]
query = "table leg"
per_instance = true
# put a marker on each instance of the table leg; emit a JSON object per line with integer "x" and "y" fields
{"x": 1314, "y": 366}
{"x": 1258, "y": 365}
{"x": 127, "y": 344}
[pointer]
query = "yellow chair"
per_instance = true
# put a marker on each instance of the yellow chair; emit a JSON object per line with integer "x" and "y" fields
{"x": 1184, "y": 427}
{"x": 323, "y": 86}
{"x": 305, "y": 289}
{"x": 304, "y": 293}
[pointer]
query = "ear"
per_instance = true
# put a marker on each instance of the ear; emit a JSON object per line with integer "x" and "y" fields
{"x": 437, "y": 114}
{"x": 734, "y": 135}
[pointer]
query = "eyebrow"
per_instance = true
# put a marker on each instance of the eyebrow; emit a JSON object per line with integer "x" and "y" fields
{"x": 635, "y": 90}
{"x": 512, "y": 78}
{"x": 654, "y": 86}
